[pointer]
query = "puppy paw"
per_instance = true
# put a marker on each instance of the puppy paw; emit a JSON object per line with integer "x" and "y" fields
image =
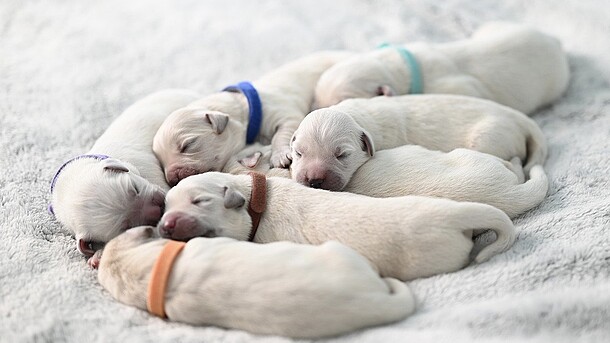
{"x": 281, "y": 158}
{"x": 94, "y": 261}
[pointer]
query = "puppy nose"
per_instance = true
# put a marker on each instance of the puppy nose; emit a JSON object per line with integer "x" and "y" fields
{"x": 316, "y": 183}
{"x": 178, "y": 225}
{"x": 172, "y": 177}
{"x": 158, "y": 198}
{"x": 170, "y": 223}
{"x": 167, "y": 226}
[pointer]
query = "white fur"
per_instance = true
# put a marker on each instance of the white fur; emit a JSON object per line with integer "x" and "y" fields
{"x": 254, "y": 157}
{"x": 97, "y": 200}
{"x": 436, "y": 122}
{"x": 215, "y": 127}
{"x": 461, "y": 175}
{"x": 281, "y": 288}
{"x": 404, "y": 237}
{"x": 509, "y": 63}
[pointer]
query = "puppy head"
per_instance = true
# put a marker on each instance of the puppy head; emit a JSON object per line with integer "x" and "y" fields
{"x": 196, "y": 140}
{"x": 327, "y": 148}
{"x": 101, "y": 199}
{"x": 357, "y": 77}
{"x": 207, "y": 205}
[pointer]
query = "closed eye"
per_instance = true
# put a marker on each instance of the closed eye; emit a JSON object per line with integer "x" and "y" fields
{"x": 186, "y": 146}
{"x": 198, "y": 201}
{"x": 343, "y": 155}
{"x": 133, "y": 189}
{"x": 136, "y": 188}
{"x": 297, "y": 153}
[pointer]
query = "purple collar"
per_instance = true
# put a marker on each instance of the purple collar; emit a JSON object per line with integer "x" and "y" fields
{"x": 95, "y": 156}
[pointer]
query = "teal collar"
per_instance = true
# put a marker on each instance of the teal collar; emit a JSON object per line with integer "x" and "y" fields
{"x": 417, "y": 85}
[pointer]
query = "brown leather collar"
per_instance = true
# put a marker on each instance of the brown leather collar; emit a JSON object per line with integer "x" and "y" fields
{"x": 258, "y": 201}
{"x": 155, "y": 301}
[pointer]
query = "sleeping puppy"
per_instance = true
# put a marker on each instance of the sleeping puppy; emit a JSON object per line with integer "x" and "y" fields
{"x": 282, "y": 288}
{"x": 404, "y": 237}
{"x": 119, "y": 183}
{"x": 202, "y": 136}
{"x": 509, "y": 63}
{"x": 436, "y": 122}
{"x": 461, "y": 175}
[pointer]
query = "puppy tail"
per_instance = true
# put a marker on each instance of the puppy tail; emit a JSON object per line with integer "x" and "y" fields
{"x": 402, "y": 302}
{"x": 496, "y": 220}
{"x": 529, "y": 194}
{"x": 536, "y": 147}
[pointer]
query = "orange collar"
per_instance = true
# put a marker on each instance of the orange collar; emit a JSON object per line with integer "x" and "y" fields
{"x": 155, "y": 302}
{"x": 258, "y": 201}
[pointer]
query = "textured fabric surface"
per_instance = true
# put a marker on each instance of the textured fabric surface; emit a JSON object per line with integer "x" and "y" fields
{"x": 67, "y": 68}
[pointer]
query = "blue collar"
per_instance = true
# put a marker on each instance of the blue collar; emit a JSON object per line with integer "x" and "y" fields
{"x": 54, "y": 180}
{"x": 255, "y": 110}
{"x": 417, "y": 85}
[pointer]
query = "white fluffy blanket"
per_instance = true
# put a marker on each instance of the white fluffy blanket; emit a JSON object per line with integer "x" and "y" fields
{"x": 67, "y": 68}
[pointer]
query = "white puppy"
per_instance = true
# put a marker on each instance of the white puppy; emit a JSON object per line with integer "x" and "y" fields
{"x": 436, "y": 122}
{"x": 96, "y": 197}
{"x": 202, "y": 136}
{"x": 509, "y": 63}
{"x": 461, "y": 175}
{"x": 283, "y": 288}
{"x": 404, "y": 237}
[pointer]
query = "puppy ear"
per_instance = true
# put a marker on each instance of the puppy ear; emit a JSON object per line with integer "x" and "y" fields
{"x": 115, "y": 166}
{"x": 218, "y": 121}
{"x": 233, "y": 198}
{"x": 367, "y": 143}
{"x": 294, "y": 137}
{"x": 150, "y": 232}
{"x": 251, "y": 161}
{"x": 385, "y": 90}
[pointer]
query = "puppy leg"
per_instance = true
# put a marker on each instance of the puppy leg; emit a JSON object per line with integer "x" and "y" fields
{"x": 516, "y": 167}
{"x": 94, "y": 261}
{"x": 280, "y": 144}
